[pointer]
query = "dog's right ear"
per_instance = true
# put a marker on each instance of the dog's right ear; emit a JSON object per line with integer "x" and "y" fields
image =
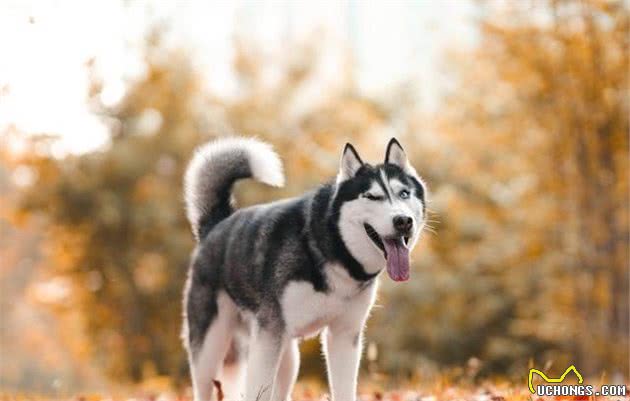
{"x": 350, "y": 163}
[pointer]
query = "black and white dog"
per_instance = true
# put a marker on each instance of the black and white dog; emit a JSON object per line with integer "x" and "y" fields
{"x": 263, "y": 277}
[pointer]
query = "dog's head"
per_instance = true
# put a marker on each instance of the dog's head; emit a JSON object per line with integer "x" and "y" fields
{"x": 381, "y": 209}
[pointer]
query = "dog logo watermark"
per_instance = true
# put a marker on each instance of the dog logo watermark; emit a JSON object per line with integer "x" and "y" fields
{"x": 554, "y": 386}
{"x": 552, "y": 380}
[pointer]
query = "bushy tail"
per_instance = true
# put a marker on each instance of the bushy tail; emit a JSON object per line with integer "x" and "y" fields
{"x": 214, "y": 169}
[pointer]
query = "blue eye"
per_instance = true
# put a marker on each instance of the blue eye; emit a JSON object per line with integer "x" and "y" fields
{"x": 404, "y": 194}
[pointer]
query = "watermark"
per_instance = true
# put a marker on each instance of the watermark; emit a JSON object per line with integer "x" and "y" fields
{"x": 553, "y": 387}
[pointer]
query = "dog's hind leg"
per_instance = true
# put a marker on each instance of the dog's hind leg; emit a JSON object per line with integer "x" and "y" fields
{"x": 287, "y": 371}
{"x": 207, "y": 360}
{"x": 233, "y": 375}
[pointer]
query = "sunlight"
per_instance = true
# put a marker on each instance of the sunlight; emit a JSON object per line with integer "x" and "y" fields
{"x": 45, "y": 81}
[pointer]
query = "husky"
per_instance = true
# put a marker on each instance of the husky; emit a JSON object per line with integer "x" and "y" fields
{"x": 264, "y": 277}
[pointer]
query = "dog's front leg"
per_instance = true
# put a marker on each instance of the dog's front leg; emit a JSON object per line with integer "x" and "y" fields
{"x": 342, "y": 342}
{"x": 265, "y": 348}
{"x": 342, "y": 347}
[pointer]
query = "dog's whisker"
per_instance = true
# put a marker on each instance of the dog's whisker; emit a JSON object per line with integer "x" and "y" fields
{"x": 433, "y": 230}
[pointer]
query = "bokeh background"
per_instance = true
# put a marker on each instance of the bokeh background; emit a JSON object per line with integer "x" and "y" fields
{"x": 514, "y": 112}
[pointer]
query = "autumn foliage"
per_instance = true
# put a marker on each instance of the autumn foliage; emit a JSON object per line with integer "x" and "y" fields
{"x": 525, "y": 260}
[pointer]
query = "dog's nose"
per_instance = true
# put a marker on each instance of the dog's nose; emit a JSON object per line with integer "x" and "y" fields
{"x": 403, "y": 224}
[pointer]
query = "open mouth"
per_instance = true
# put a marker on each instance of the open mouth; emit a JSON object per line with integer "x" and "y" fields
{"x": 396, "y": 252}
{"x": 371, "y": 232}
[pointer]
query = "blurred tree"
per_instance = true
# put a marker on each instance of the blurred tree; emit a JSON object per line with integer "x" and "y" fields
{"x": 117, "y": 232}
{"x": 538, "y": 120}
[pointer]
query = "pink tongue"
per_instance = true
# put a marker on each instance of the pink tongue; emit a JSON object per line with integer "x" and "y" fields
{"x": 397, "y": 260}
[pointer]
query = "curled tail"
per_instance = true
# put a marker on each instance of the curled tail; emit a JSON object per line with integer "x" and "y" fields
{"x": 214, "y": 169}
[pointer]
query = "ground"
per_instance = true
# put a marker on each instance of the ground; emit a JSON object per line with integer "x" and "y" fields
{"x": 439, "y": 391}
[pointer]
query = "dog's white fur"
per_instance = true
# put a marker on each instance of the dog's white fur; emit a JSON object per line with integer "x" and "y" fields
{"x": 265, "y": 164}
{"x": 272, "y": 364}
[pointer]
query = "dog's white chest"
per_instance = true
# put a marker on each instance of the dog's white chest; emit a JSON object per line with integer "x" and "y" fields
{"x": 306, "y": 311}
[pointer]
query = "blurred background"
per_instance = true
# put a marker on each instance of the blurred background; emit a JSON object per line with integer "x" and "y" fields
{"x": 514, "y": 112}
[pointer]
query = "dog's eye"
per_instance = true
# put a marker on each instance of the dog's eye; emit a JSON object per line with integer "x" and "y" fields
{"x": 372, "y": 197}
{"x": 404, "y": 194}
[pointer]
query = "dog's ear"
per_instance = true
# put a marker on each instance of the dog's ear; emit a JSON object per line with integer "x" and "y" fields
{"x": 350, "y": 163}
{"x": 395, "y": 154}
